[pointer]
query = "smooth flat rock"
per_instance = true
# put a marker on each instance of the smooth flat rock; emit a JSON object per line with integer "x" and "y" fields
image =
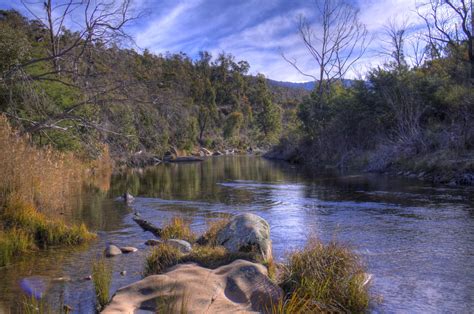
{"x": 240, "y": 287}
{"x": 112, "y": 250}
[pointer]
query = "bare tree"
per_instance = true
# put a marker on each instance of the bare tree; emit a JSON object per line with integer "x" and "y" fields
{"x": 336, "y": 42}
{"x": 450, "y": 23}
{"x": 395, "y": 38}
{"x": 95, "y": 25}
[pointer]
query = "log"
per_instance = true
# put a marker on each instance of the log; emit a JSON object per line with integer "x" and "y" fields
{"x": 148, "y": 226}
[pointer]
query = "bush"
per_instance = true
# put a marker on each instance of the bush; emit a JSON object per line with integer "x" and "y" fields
{"x": 162, "y": 257}
{"x": 329, "y": 277}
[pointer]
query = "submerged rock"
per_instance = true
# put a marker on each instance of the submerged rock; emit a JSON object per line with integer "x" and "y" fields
{"x": 112, "y": 250}
{"x": 247, "y": 233}
{"x": 239, "y": 287}
{"x": 126, "y": 197}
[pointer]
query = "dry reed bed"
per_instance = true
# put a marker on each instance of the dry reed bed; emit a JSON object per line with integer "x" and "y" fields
{"x": 36, "y": 184}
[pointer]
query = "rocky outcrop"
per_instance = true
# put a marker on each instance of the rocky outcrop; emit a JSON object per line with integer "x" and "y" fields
{"x": 112, "y": 250}
{"x": 241, "y": 287}
{"x": 247, "y": 233}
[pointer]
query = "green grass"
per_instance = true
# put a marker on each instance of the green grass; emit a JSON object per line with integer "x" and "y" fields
{"x": 13, "y": 241}
{"x": 178, "y": 228}
{"x": 101, "y": 277}
{"x": 43, "y": 230}
{"x": 328, "y": 277}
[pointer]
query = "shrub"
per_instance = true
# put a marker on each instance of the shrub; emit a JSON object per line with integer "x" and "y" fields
{"x": 330, "y": 277}
{"x": 178, "y": 228}
{"x": 101, "y": 277}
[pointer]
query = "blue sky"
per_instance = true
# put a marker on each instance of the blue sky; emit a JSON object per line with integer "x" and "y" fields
{"x": 254, "y": 30}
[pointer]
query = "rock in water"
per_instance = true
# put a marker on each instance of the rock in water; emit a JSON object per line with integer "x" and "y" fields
{"x": 181, "y": 245}
{"x": 153, "y": 242}
{"x": 112, "y": 250}
{"x": 247, "y": 233}
{"x": 239, "y": 287}
{"x": 128, "y": 249}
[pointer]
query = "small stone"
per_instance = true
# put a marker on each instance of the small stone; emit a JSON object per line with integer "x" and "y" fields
{"x": 123, "y": 272}
{"x": 183, "y": 246}
{"x": 128, "y": 249}
{"x": 112, "y": 250}
{"x": 88, "y": 277}
{"x": 153, "y": 242}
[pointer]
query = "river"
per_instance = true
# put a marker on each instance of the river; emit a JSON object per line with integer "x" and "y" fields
{"x": 417, "y": 239}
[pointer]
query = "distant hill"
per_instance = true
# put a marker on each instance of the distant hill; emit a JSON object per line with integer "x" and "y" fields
{"x": 309, "y": 86}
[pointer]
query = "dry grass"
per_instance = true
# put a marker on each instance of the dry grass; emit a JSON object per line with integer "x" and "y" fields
{"x": 35, "y": 185}
{"x": 213, "y": 228}
{"x": 165, "y": 256}
{"x": 327, "y": 277}
{"x": 178, "y": 228}
{"x": 101, "y": 277}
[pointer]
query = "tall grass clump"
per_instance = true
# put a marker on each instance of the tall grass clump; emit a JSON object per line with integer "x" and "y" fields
{"x": 327, "y": 277}
{"x": 101, "y": 277}
{"x": 35, "y": 185}
{"x": 213, "y": 227}
{"x": 178, "y": 228}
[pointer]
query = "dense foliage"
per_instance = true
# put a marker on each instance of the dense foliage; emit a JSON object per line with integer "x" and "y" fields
{"x": 101, "y": 93}
{"x": 398, "y": 116}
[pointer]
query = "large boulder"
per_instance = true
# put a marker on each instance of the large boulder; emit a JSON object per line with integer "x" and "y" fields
{"x": 247, "y": 233}
{"x": 241, "y": 286}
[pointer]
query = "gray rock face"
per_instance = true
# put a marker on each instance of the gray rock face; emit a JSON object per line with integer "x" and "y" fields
{"x": 247, "y": 232}
{"x": 112, "y": 250}
{"x": 181, "y": 245}
{"x": 240, "y": 287}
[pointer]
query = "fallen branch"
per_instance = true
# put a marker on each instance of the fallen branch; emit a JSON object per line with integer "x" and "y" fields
{"x": 148, "y": 226}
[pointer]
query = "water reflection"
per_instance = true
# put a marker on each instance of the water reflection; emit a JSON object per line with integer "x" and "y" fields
{"x": 418, "y": 240}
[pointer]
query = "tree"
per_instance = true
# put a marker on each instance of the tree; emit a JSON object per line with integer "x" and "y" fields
{"x": 450, "y": 24}
{"x": 268, "y": 115}
{"x": 205, "y": 99}
{"x": 66, "y": 58}
{"x": 396, "y": 36}
{"x": 340, "y": 43}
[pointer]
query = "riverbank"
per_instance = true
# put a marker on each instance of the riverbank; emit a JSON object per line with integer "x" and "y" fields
{"x": 439, "y": 167}
{"x": 37, "y": 187}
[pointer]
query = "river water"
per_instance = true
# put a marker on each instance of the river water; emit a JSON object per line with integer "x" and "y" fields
{"x": 417, "y": 239}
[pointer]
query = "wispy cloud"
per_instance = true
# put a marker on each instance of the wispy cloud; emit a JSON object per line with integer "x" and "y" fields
{"x": 254, "y": 30}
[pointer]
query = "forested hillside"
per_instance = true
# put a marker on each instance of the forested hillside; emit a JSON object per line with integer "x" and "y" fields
{"x": 93, "y": 92}
{"x": 413, "y": 115}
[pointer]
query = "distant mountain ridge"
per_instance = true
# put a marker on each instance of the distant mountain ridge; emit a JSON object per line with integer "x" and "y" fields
{"x": 309, "y": 86}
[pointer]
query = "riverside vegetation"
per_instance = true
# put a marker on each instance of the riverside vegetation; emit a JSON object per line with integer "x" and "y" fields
{"x": 36, "y": 185}
{"x": 318, "y": 278}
